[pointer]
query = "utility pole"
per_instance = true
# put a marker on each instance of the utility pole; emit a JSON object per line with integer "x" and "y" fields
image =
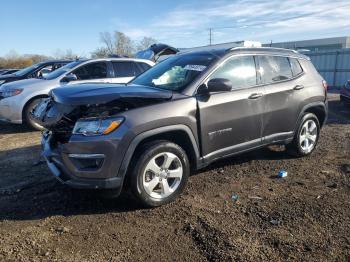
{"x": 210, "y": 35}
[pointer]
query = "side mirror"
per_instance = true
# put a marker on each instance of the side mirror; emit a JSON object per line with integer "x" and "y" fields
{"x": 70, "y": 77}
{"x": 219, "y": 85}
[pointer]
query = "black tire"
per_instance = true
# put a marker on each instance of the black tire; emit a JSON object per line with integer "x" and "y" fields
{"x": 143, "y": 157}
{"x": 295, "y": 148}
{"x": 27, "y": 117}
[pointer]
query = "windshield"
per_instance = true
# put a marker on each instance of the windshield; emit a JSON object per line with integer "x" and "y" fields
{"x": 175, "y": 73}
{"x": 62, "y": 70}
{"x": 27, "y": 70}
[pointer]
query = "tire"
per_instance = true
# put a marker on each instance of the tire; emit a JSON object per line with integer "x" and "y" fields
{"x": 27, "y": 117}
{"x": 154, "y": 181}
{"x": 306, "y": 137}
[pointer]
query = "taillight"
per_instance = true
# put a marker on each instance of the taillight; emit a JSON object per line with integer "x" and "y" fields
{"x": 325, "y": 85}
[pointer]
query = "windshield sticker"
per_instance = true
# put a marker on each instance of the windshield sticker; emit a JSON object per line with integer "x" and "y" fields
{"x": 199, "y": 68}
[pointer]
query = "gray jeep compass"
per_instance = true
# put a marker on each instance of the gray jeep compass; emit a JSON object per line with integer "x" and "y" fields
{"x": 181, "y": 115}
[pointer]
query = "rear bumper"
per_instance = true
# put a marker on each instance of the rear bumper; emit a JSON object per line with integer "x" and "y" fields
{"x": 69, "y": 172}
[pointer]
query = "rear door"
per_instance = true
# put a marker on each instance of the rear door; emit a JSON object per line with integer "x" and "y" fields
{"x": 230, "y": 122}
{"x": 282, "y": 89}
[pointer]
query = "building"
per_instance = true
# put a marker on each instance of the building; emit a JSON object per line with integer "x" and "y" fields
{"x": 315, "y": 45}
{"x": 331, "y": 56}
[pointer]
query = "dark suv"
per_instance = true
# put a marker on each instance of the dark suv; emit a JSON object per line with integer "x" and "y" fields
{"x": 181, "y": 115}
{"x": 34, "y": 71}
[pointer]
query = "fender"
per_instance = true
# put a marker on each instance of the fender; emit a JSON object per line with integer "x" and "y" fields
{"x": 140, "y": 137}
{"x": 324, "y": 105}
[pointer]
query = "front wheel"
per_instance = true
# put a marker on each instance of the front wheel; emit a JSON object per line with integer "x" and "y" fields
{"x": 306, "y": 138}
{"x": 160, "y": 173}
{"x": 27, "y": 114}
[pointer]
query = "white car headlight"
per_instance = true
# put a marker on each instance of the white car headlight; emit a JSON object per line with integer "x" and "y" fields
{"x": 2, "y": 81}
{"x": 96, "y": 126}
{"x": 10, "y": 92}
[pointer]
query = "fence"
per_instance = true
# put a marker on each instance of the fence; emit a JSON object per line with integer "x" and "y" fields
{"x": 334, "y": 66}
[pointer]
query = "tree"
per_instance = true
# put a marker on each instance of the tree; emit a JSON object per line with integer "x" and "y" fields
{"x": 107, "y": 40}
{"x": 13, "y": 60}
{"x": 38, "y": 58}
{"x": 100, "y": 52}
{"x": 67, "y": 54}
{"x": 145, "y": 43}
{"x": 123, "y": 44}
{"x": 120, "y": 44}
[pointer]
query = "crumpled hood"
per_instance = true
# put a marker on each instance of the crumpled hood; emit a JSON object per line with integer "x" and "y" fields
{"x": 88, "y": 94}
{"x": 25, "y": 83}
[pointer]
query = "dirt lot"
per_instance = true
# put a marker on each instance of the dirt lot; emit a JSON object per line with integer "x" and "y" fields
{"x": 305, "y": 216}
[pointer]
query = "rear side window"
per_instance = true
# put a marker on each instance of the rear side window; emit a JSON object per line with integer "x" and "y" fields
{"x": 124, "y": 69}
{"x": 296, "y": 68}
{"x": 96, "y": 70}
{"x": 240, "y": 70}
{"x": 141, "y": 67}
{"x": 274, "y": 69}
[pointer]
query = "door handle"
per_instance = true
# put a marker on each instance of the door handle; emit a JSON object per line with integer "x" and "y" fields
{"x": 298, "y": 87}
{"x": 255, "y": 95}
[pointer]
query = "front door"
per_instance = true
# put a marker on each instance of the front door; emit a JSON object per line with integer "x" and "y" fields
{"x": 95, "y": 72}
{"x": 231, "y": 122}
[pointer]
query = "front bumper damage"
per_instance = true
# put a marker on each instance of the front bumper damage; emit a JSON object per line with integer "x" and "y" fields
{"x": 83, "y": 169}
{"x": 90, "y": 161}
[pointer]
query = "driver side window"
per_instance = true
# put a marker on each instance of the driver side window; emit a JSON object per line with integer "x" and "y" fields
{"x": 240, "y": 70}
{"x": 44, "y": 71}
{"x": 96, "y": 70}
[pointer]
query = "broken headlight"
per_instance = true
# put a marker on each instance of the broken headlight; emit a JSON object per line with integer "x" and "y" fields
{"x": 96, "y": 126}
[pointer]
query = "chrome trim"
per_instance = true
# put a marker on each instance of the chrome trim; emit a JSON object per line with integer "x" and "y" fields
{"x": 86, "y": 156}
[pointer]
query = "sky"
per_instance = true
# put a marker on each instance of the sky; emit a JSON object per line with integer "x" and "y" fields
{"x": 47, "y": 27}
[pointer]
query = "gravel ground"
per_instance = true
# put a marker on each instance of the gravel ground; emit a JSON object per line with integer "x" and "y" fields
{"x": 305, "y": 216}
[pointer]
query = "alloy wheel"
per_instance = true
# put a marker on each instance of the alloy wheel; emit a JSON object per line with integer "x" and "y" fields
{"x": 308, "y": 136}
{"x": 162, "y": 175}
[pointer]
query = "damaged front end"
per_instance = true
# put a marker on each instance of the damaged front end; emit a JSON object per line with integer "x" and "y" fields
{"x": 83, "y": 138}
{"x": 91, "y": 111}
{"x": 63, "y": 120}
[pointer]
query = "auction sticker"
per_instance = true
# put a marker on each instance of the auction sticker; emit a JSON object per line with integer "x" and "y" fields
{"x": 199, "y": 68}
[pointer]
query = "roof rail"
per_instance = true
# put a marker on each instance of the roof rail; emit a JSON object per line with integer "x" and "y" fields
{"x": 267, "y": 48}
{"x": 242, "y": 44}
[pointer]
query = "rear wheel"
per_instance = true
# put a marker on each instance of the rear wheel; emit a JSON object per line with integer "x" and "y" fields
{"x": 160, "y": 173}
{"x": 27, "y": 114}
{"x": 306, "y": 138}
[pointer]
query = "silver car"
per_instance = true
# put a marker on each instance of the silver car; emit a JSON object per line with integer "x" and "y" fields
{"x": 17, "y": 99}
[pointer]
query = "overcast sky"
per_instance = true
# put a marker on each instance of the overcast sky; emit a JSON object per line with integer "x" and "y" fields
{"x": 43, "y": 27}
